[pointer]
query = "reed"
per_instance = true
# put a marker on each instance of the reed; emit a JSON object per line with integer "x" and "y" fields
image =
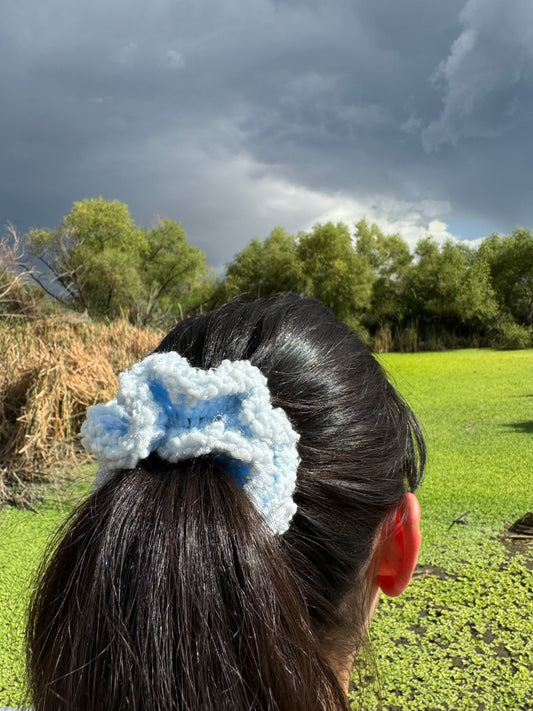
{"x": 52, "y": 370}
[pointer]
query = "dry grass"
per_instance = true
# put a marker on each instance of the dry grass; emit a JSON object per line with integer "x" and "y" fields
{"x": 52, "y": 370}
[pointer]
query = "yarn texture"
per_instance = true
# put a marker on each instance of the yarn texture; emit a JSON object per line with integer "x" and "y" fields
{"x": 165, "y": 405}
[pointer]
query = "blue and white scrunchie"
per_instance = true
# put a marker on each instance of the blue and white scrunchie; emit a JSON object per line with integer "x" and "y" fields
{"x": 165, "y": 405}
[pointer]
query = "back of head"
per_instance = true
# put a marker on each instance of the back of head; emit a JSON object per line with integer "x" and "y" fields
{"x": 168, "y": 590}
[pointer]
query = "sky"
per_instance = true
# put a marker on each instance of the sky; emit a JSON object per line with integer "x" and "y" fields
{"x": 236, "y": 116}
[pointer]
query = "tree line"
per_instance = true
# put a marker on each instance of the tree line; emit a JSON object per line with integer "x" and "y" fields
{"x": 99, "y": 262}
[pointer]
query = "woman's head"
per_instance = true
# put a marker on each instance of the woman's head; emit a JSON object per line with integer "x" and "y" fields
{"x": 168, "y": 589}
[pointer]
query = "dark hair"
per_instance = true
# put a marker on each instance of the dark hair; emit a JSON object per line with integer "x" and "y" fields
{"x": 167, "y": 589}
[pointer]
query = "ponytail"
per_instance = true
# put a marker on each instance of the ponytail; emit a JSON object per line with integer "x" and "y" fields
{"x": 169, "y": 592}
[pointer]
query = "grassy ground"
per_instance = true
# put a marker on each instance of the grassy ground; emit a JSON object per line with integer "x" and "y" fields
{"x": 460, "y": 638}
{"x": 23, "y": 538}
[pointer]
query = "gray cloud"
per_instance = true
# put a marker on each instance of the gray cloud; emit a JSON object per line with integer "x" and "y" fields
{"x": 486, "y": 78}
{"x": 235, "y": 117}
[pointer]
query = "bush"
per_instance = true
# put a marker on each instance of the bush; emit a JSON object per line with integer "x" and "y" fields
{"x": 513, "y": 336}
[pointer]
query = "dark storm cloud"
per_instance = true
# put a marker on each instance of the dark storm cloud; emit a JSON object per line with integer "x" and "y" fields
{"x": 486, "y": 78}
{"x": 484, "y": 126}
{"x": 234, "y": 117}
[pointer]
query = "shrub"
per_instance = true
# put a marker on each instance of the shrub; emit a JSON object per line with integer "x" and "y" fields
{"x": 513, "y": 336}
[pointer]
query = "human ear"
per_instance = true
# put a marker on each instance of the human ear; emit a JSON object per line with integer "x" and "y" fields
{"x": 398, "y": 547}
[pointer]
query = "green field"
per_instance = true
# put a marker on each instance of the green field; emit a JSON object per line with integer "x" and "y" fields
{"x": 460, "y": 638}
{"x": 23, "y": 538}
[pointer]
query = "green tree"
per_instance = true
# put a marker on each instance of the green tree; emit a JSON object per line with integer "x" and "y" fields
{"x": 321, "y": 264}
{"x": 263, "y": 268}
{"x": 390, "y": 258}
{"x": 510, "y": 262}
{"x": 94, "y": 256}
{"x": 334, "y": 272}
{"x": 175, "y": 275}
{"x": 108, "y": 266}
{"x": 449, "y": 287}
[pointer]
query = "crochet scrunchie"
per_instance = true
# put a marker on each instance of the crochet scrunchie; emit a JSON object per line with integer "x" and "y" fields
{"x": 165, "y": 405}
